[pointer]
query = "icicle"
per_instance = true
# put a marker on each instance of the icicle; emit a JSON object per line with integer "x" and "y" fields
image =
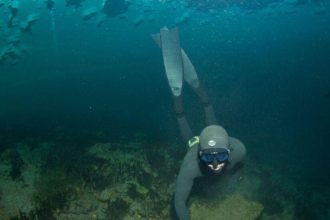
{"x": 50, "y": 6}
{"x": 103, "y": 3}
{"x": 53, "y": 29}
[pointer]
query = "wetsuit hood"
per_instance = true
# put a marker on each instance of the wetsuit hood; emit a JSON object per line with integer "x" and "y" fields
{"x": 213, "y": 136}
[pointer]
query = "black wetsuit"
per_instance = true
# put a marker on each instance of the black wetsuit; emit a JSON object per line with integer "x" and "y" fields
{"x": 190, "y": 169}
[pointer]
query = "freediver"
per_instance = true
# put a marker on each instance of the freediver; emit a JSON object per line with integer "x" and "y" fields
{"x": 213, "y": 152}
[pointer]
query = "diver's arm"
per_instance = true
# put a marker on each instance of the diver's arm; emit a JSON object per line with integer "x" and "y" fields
{"x": 188, "y": 172}
{"x": 237, "y": 152}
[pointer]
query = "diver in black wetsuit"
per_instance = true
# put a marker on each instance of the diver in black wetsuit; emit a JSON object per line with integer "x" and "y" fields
{"x": 213, "y": 151}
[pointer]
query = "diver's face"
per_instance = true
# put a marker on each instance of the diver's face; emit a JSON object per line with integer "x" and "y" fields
{"x": 216, "y": 167}
{"x": 214, "y": 159}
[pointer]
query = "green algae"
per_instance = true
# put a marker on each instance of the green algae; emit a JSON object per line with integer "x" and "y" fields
{"x": 130, "y": 180}
{"x": 233, "y": 207}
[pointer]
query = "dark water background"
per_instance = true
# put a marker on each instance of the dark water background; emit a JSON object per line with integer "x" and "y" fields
{"x": 267, "y": 74}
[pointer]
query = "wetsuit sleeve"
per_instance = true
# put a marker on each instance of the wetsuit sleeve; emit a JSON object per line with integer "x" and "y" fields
{"x": 188, "y": 172}
{"x": 237, "y": 152}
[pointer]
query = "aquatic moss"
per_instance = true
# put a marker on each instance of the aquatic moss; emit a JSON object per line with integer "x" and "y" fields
{"x": 233, "y": 207}
{"x": 16, "y": 162}
{"x": 53, "y": 192}
{"x": 123, "y": 199}
{"x": 111, "y": 179}
{"x": 120, "y": 165}
{"x": 133, "y": 183}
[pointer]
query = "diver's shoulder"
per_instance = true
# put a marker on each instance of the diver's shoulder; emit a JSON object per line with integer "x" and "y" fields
{"x": 233, "y": 141}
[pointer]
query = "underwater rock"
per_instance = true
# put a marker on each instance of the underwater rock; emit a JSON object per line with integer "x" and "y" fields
{"x": 233, "y": 207}
{"x": 18, "y": 197}
{"x": 130, "y": 181}
{"x": 119, "y": 191}
{"x": 5, "y": 165}
{"x": 85, "y": 206}
{"x": 63, "y": 188}
{"x": 288, "y": 213}
{"x": 101, "y": 150}
{"x": 129, "y": 196}
{"x": 120, "y": 165}
{"x": 17, "y": 165}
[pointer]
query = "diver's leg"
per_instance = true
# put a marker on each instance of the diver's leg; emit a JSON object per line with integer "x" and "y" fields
{"x": 210, "y": 118}
{"x": 184, "y": 127}
{"x": 169, "y": 42}
{"x": 172, "y": 59}
{"x": 190, "y": 76}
